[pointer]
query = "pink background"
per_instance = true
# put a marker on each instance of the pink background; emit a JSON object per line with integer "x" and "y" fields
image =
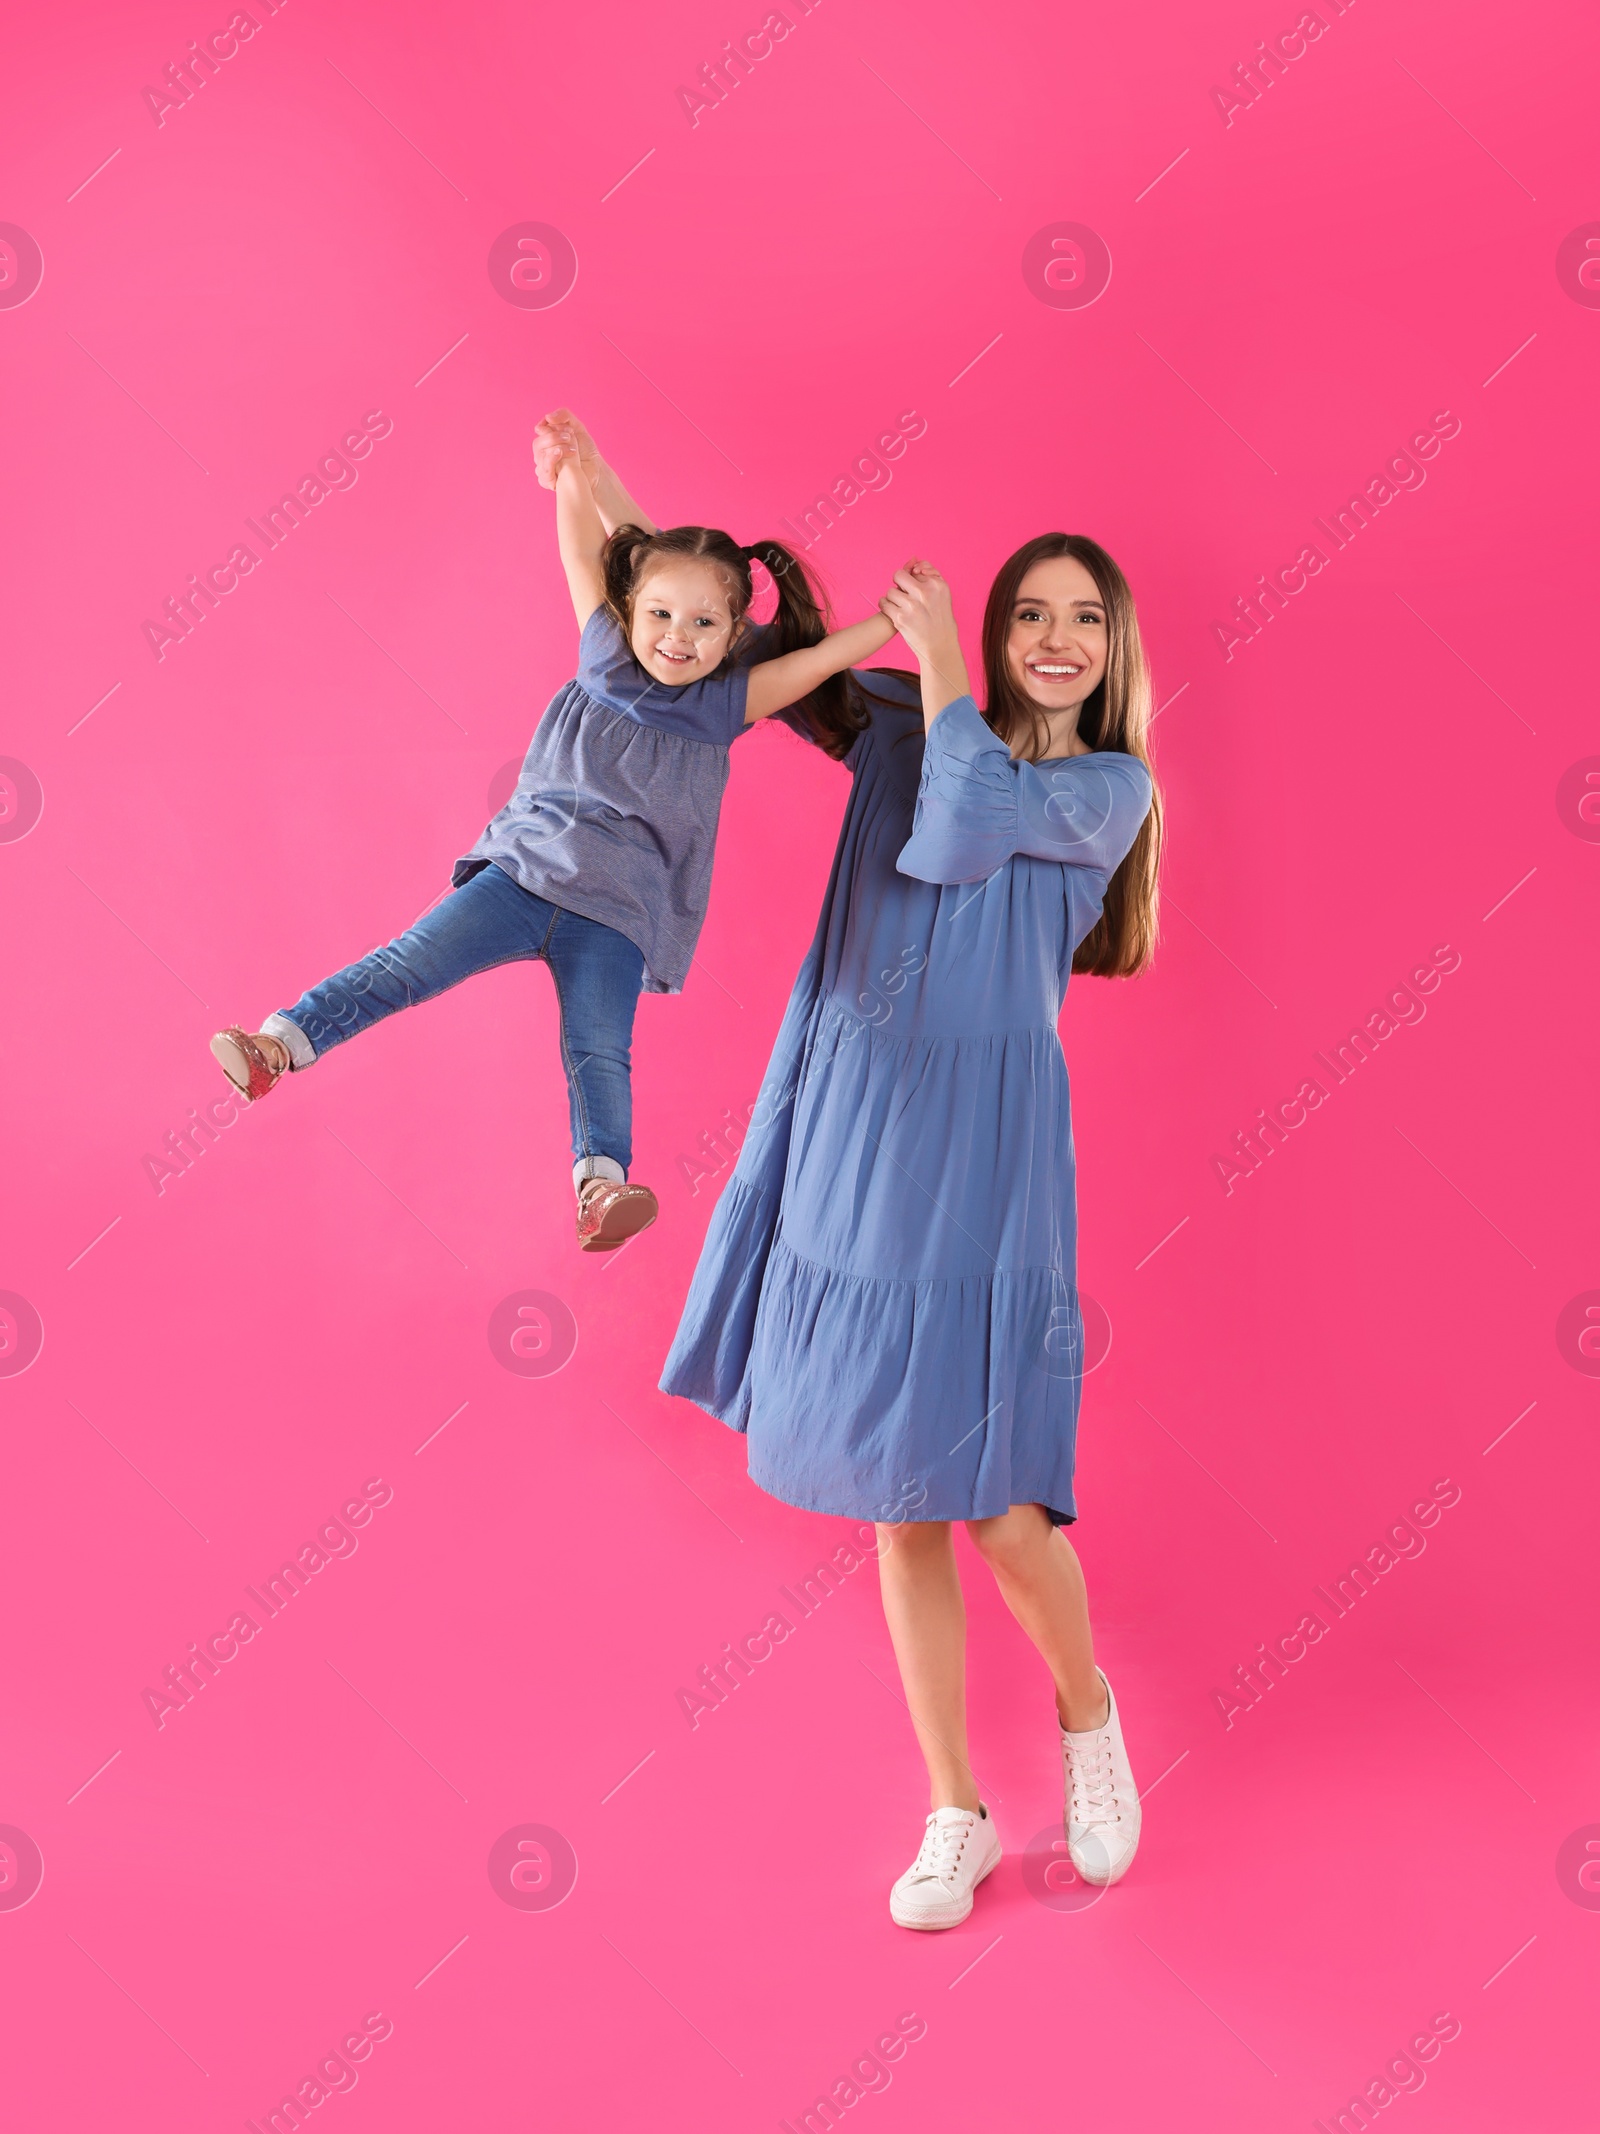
{"x": 1293, "y": 1364}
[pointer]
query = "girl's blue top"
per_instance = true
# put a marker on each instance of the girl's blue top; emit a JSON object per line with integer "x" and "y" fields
{"x": 615, "y": 813}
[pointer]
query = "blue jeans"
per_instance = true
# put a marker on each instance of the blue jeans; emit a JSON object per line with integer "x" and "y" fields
{"x": 491, "y": 919}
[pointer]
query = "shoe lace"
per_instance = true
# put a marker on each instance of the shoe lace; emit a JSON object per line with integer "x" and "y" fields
{"x": 940, "y": 1856}
{"x": 1093, "y": 1781}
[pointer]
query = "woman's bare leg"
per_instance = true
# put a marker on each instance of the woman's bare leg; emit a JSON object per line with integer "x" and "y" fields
{"x": 1041, "y": 1582}
{"x": 927, "y": 1621}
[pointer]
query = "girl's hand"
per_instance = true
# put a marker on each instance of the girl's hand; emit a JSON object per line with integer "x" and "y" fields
{"x": 588, "y": 451}
{"x": 561, "y": 440}
{"x": 562, "y": 436}
{"x": 553, "y": 445}
{"x": 549, "y": 451}
{"x": 919, "y": 605}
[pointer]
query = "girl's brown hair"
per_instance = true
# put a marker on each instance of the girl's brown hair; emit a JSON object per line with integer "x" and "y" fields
{"x": 1116, "y": 715}
{"x": 831, "y": 715}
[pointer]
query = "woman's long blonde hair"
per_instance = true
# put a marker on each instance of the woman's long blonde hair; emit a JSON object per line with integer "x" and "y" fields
{"x": 1122, "y": 940}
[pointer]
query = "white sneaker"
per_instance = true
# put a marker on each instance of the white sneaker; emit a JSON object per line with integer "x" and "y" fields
{"x": 1103, "y": 1815}
{"x": 958, "y": 1849}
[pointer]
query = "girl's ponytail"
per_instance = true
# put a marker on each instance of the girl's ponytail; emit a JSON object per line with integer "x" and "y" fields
{"x": 619, "y": 568}
{"x": 833, "y": 714}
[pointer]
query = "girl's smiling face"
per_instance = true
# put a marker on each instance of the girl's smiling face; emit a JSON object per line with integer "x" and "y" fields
{"x": 683, "y": 620}
{"x": 1058, "y": 641}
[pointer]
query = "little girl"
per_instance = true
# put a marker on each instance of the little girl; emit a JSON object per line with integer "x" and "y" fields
{"x": 600, "y": 863}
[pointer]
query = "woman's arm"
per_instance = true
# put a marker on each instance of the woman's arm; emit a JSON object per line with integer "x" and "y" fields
{"x": 561, "y": 434}
{"x": 978, "y": 808}
{"x": 581, "y": 538}
{"x": 615, "y": 505}
{"x": 777, "y": 683}
{"x": 919, "y": 606}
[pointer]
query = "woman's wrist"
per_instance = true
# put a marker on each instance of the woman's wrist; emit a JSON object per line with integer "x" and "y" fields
{"x": 942, "y": 663}
{"x": 604, "y": 483}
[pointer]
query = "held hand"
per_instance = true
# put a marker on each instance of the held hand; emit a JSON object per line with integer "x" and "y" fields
{"x": 548, "y": 455}
{"x": 559, "y": 437}
{"x": 578, "y": 440}
{"x": 918, "y": 604}
{"x": 552, "y": 448}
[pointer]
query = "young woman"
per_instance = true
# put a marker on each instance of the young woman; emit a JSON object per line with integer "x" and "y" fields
{"x": 600, "y": 863}
{"x": 887, "y": 1297}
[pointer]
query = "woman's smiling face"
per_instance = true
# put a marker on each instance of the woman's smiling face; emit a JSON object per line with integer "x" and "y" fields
{"x": 1058, "y": 641}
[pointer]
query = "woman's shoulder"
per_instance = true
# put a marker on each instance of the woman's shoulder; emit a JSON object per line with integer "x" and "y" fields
{"x": 759, "y": 643}
{"x": 893, "y": 736}
{"x": 1112, "y": 763}
{"x": 892, "y": 701}
{"x": 893, "y": 686}
{"x": 1085, "y": 810}
{"x": 1133, "y": 772}
{"x": 1102, "y": 784}
{"x": 1111, "y": 759}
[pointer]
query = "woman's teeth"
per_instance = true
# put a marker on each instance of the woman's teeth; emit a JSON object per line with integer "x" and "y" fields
{"x": 1059, "y": 670}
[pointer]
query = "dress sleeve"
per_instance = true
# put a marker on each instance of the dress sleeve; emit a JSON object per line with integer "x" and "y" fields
{"x": 977, "y": 808}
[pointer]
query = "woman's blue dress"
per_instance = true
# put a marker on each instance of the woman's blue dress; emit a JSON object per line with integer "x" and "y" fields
{"x": 887, "y": 1297}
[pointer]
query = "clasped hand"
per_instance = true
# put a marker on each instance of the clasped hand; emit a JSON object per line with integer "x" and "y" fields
{"x": 918, "y": 604}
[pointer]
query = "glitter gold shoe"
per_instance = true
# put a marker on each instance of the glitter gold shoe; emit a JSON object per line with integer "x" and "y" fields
{"x": 610, "y": 1212}
{"x": 253, "y": 1062}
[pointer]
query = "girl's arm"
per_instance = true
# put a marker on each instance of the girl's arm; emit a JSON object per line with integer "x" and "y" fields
{"x": 561, "y": 434}
{"x": 581, "y": 538}
{"x": 777, "y": 683}
{"x": 918, "y": 604}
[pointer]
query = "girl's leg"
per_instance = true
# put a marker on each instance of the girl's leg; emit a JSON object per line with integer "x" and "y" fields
{"x": 598, "y": 976}
{"x": 1041, "y": 1582}
{"x": 489, "y": 920}
{"x": 927, "y": 1621}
